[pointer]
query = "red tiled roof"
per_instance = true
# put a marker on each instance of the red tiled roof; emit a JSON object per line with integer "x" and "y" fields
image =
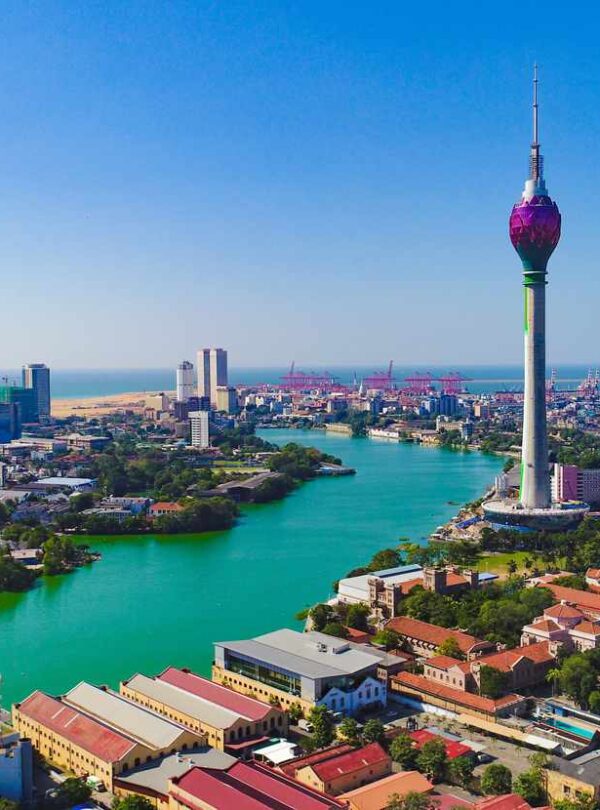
{"x": 561, "y": 611}
{"x": 291, "y": 767}
{"x": 431, "y": 633}
{"x": 376, "y": 795}
{"x": 443, "y": 662}
{"x": 78, "y": 728}
{"x": 427, "y": 687}
{"x": 248, "y": 786}
{"x": 584, "y": 600}
{"x": 166, "y": 506}
{"x": 548, "y": 625}
{"x": 593, "y": 573}
{"x": 215, "y": 693}
{"x": 453, "y": 748}
{"x": 350, "y": 762}
{"x": 355, "y": 635}
{"x": 505, "y": 660}
{"x": 591, "y": 628}
{"x": 510, "y": 801}
{"x": 407, "y": 586}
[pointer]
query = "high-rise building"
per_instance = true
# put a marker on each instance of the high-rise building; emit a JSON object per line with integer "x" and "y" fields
{"x": 227, "y": 400}
{"x": 212, "y": 372}
{"x": 10, "y": 421}
{"x": 37, "y": 376}
{"x": 534, "y": 227}
{"x": 200, "y": 429}
{"x": 24, "y": 398}
{"x": 184, "y": 381}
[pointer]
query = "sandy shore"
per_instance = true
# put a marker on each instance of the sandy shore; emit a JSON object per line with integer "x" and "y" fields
{"x": 90, "y": 407}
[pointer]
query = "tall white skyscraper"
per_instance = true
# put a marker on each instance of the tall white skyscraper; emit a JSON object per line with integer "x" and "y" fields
{"x": 212, "y": 373}
{"x": 37, "y": 376}
{"x": 200, "y": 429}
{"x": 184, "y": 381}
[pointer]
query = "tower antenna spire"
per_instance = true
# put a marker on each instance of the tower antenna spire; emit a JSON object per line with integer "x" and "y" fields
{"x": 535, "y": 160}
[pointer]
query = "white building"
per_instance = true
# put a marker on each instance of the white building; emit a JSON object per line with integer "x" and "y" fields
{"x": 200, "y": 431}
{"x": 212, "y": 373}
{"x": 184, "y": 381}
{"x": 353, "y": 590}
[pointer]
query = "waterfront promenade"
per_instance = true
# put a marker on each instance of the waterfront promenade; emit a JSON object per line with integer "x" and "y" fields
{"x": 154, "y": 601}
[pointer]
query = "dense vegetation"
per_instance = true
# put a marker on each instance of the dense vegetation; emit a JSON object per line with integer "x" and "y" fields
{"x": 577, "y": 447}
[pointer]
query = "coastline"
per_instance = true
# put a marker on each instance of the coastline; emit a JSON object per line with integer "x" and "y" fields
{"x": 99, "y": 405}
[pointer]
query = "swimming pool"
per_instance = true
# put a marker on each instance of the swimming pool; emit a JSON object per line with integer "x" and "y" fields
{"x": 560, "y": 725}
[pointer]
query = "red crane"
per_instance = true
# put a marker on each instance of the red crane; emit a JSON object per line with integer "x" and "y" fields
{"x": 380, "y": 380}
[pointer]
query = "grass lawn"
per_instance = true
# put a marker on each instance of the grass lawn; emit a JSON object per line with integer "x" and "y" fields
{"x": 498, "y": 563}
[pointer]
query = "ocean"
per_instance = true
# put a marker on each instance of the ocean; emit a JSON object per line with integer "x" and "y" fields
{"x": 76, "y": 383}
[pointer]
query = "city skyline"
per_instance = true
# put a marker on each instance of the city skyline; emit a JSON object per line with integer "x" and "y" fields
{"x": 183, "y": 158}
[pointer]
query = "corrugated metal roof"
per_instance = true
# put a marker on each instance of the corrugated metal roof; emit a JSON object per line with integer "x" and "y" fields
{"x": 184, "y": 702}
{"x": 149, "y": 728}
{"x": 87, "y": 733}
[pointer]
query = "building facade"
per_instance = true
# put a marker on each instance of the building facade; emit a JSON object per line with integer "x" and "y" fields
{"x": 200, "y": 429}
{"x": 212, "y": 373}
{"x": 305, "y": 668}
{"x": 184, "y": 381}
{"x": 37, "y": 377}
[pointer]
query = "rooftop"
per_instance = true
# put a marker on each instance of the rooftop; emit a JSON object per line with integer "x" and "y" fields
{"x": 201, "y": 687}
{"x": 79, "y": 729}
{"x": 314, "y": 655}
{"x": 293, "y": 766}
{"x": 562, "y": 611}
{"x": 376, "y": 795}
{"x": 432, "y": 634}
{"x": 454, "y": 748}
{"x": 585, "y": 767}
{"x": 585, "y": 600}
{"x": 125, "y": 715}
{"x": 428, "y": 687}
{"x": 156, "y": 774}
{"x": 350, "y": 761}
{"x": 505, "y": 660}
{"x": 247, "y": 786}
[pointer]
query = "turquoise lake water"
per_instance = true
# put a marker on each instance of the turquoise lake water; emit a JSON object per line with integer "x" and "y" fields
{"x": 158, "y": 600}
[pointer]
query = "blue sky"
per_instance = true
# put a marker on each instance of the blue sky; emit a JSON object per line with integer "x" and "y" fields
{"x": 328, "y": 182}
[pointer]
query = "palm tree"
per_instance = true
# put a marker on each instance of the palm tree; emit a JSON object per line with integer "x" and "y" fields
{"x": 553, "y": 677}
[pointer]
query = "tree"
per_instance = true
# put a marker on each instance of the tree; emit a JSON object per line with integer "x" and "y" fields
{"x": 335, "y": 629}
{"x": 410, "y": 801}
{"x": 295, "y": 713}
{"x": 321, "y": 720}
{"x": 132, "y": 803}
{"x": 387, "y": 638}
{"x": 496, "y": 780}
{"x": 432, "y": 760}
{"x": 578, "y": 678}
{"x": 594, "y": 701}
{"x": 493, "y": 683}
{"x": 357, "y": 615}
{"x": 386, "y": 558}
{"x": 71, "y": 792}
{"x": 373, "y": 731}
{"x": 349, "y": 730}
{"x": 403, "y": 751}
{"x": 580, "y": 803}
{"x": 461, "y": 770}
{"x": 530, "y": 786}
{"x": 320, "y": 615}
{"x": 6, "y": 804}
{"x": 451, "y": 648}
{"x": 512, "y": 567}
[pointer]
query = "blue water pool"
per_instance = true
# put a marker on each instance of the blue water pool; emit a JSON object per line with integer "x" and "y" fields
{"x": 561, "y": 725}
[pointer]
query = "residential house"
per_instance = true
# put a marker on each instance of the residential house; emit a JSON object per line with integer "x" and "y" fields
{"x": 346, "y": 771}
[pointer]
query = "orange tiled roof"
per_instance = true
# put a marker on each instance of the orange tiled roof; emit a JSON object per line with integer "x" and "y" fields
{"x": 376, "y": 795}
{"x": 593, "y": 573}
{"x": 505, "y": 660}
{"x": 439, "y": 690}
{"x": 443, "y": 662}
{"x": 545, "y": 624}
{"x": 562, "y": 611}
{"x": 431, "y": 633}
{"x": 584, "y": 600}
{"x": 590, "y": 628}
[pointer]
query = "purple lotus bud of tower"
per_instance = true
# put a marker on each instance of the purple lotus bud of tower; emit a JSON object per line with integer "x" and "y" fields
{"x": 534, "y": 228}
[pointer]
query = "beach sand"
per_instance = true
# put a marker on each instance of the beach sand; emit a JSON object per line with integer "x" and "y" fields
{"x": 90, "y": 407}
